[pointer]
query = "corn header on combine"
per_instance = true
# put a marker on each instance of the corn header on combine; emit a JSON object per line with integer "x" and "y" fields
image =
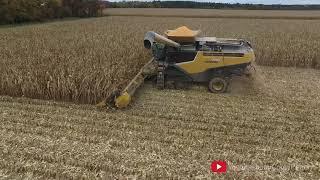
{"x": 181, "y": 58}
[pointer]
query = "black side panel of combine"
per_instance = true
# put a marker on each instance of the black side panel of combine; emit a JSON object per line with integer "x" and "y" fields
{"x": 178, "y": 57}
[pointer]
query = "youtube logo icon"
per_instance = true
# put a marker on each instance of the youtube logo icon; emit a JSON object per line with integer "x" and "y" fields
{"x": 219, "y": 166}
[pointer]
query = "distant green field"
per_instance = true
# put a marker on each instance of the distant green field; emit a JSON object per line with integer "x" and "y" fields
{"x": 214, "y": 13}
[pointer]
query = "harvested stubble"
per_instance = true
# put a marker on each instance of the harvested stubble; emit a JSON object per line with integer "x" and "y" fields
{"x": 170, "y": 134}
{"x": 84, "y": 60}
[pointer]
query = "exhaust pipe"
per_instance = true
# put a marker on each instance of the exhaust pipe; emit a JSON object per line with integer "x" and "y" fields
{"x": 152, "y": 37}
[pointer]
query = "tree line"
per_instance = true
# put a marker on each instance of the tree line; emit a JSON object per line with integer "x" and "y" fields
{"x": 207, "y": 5}
{"x": 18, "y": 11}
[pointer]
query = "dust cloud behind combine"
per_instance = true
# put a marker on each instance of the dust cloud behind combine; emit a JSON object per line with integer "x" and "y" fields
{"x": 255, "y": 83}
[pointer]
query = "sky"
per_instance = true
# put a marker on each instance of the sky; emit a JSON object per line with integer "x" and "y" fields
{"x": 272, "y": 1}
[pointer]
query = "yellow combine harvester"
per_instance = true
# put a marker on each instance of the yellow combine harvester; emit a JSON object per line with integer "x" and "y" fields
{"x": 181, "y": 58}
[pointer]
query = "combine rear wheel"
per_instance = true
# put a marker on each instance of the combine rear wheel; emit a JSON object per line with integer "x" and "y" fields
{"x": 218, "y": 85}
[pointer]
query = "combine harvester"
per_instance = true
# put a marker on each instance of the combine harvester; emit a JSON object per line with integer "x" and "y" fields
{"x": 181, "y": 58}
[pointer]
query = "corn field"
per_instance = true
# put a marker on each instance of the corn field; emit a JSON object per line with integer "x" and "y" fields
{"x": 84, "y": 60}
{"x": 266, "y": 126}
